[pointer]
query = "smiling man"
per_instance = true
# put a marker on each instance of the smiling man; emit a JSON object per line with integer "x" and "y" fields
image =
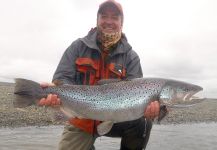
{"x": 103, "y": 54}
{"x": 109, "y": 25}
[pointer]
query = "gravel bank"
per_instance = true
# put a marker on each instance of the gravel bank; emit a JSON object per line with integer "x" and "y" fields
{"x": 40, "y": 116}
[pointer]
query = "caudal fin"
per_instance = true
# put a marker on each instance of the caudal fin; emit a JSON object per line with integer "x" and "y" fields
{"x": 27, "y": 92}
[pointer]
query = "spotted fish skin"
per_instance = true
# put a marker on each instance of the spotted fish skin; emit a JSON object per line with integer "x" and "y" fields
{"x": 119, "y": 101}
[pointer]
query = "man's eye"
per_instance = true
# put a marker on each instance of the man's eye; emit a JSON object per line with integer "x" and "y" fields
{"x": 115, "y": 17}
{"x": 103, "y": 16}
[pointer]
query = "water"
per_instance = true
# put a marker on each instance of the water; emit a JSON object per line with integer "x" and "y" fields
{"x": 167, "y": 137}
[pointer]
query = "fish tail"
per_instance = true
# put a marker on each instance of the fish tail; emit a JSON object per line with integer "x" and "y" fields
{"x": 27, "y": 93}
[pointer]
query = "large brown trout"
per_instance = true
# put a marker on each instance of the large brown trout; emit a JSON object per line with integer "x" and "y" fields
{"x": 115, "y": 101}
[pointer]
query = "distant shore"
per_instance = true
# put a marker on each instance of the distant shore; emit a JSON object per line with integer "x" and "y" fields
{"x": 40, "y": 116}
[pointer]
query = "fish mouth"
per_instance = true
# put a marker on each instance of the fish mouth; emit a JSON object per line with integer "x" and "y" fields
{"x": 189, "y": 104}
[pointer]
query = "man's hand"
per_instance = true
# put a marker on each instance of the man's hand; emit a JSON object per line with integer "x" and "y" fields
{"x": 51, "y": 100}
{"x": 152, "y": 110}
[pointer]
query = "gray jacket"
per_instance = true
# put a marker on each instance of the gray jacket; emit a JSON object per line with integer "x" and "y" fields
{"x": 87, "y": 47}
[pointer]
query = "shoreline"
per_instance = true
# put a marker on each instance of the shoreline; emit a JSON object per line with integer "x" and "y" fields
{"x": 11, "y": 117}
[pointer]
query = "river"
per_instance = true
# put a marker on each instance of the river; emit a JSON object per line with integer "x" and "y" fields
{"x": 201, "y": 136}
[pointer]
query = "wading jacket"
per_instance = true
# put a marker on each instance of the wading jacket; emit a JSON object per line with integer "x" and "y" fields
{"x": 84, "y": 63}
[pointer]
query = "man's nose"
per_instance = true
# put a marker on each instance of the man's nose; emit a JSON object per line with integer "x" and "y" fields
{"x": 109, "y": 20}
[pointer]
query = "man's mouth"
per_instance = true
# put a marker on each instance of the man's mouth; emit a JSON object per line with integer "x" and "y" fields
{"x": 108, "y": 29}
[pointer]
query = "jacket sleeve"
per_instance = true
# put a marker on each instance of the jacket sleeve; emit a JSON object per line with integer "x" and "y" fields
{"x": 66, "y": 69}
{"x": 133, "y": 66}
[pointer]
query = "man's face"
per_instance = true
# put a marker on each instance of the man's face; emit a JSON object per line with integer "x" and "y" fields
{"x": 109, "y": 21}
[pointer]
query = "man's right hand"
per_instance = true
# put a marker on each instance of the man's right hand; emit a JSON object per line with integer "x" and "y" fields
{"x": 51, "y": 100}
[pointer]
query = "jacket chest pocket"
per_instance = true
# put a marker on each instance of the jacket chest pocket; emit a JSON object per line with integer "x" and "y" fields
{"x": 114, "y": 70}
{"x": 87, "y": 71}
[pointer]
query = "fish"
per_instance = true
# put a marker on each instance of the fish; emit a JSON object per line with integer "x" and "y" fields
{"x": 110, "y": 101}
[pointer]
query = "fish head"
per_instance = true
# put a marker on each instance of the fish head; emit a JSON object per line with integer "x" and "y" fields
{"x": 179, "y": 94}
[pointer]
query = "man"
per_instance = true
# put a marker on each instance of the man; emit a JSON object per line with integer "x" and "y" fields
{"x": 104, "y": 53}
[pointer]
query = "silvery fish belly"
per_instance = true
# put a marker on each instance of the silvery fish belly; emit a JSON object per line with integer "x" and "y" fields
{"x": 123, "y": 100}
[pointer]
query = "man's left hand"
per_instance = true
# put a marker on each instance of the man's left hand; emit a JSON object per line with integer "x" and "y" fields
{"x": 152, "y": 110}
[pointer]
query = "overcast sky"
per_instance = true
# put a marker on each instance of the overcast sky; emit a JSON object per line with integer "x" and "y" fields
{"x": 174, "y": 38}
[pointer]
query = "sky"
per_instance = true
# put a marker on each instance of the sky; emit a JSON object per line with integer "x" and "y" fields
{"x": 174, "y": 39}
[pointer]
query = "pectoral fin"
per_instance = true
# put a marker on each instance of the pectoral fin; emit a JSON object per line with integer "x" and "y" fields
{"x": 104, "y": 127}
{"x": 163, "y": 112}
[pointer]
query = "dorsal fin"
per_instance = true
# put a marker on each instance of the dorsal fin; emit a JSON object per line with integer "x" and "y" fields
{"x": 108, "y": 81}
